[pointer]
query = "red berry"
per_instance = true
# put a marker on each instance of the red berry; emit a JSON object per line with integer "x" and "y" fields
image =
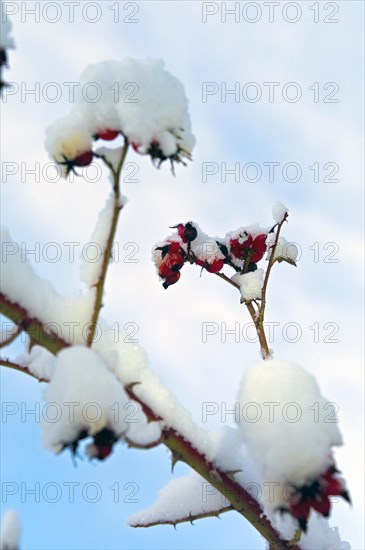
{"x": 107, "y": 135}
{"x": 333, "y": 487}
{"x": 190, "y": 232}
{"x": 172, "y": 262}
{"x": 301, "y": 512}
{"x": 164, "y": 271}
{"x": 181, "y": 232}
{"x": 215, "y": 266}
{"x": 172, "y": 279}
{"x": 84, "y": 159}
{"x": 239, "y": 248}
{"x": 174, "y": 247}
{"x": 103, "y": 451}
{"x": 322, "y": 504}
{"x": 259, "y": 246}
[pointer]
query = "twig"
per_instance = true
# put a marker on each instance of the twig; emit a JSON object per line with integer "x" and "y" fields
{"x": 21, "y": 368}
{"x": 109, "y": 244}
{"x": 191, "y": 518}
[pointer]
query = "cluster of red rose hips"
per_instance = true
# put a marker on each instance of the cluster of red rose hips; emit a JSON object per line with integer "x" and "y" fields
{"x": 240, "y": 250}
{"x": 316, "y": 496}
{"x": 154, "y": 150}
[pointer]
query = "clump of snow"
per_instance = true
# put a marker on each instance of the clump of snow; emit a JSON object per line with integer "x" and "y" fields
{"x": 67, "y": 317}
{"x": 279, "y": 211}
{"x": 285, "y": 250}
{"x": 86, "y": 397}
{"x": 68, "y": 138}
{"x": 321, "y": 535}
{"x": 10, "y": 531}
{"x": 6, "y": 40}
{"x": 250, "y": 284}
{"x": 285, "y": 438}
{"x": 139, "y": 98}
{"x": 319, "y": 532}
{"x": 206, "y": 248}
{"x": 91, "y": 267}
{"x": 38, "y": 361}
{"x": 182, "y": 497}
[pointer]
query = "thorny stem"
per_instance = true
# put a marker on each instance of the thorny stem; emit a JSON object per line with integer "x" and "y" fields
{"x": 109, "y": 244}
{"x": 190, "y": 518}
{"x": 21, "y": 368}
{"x": 181, "y": 448}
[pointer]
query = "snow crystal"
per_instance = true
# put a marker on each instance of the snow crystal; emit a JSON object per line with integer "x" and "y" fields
{"x": 6, "y": 41}
{"x": 180, "y": 498}
{"x": 284, "y": 435}
{"x": 85, "y": 396}
{"x": 139, "y": 98}
{"x": 38, "y": 361}
{"x": 250, "y": 284}
{"x": 278, "y": 211}
{"x": 10, "y": 531}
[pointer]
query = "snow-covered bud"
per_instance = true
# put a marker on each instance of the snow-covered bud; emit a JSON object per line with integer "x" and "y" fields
{"x": 288, "y": 442}
{"x": 155, "y": 120}
{"x": 246, "y": 245}
{"x": 69, "y": 143}
{"x": 88, "y": 400}
{"x": 169, "y": 260}
{"x": 279, "y": 212}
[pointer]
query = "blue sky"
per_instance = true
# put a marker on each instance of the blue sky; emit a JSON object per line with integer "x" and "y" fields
{"x": 319, "y": 134}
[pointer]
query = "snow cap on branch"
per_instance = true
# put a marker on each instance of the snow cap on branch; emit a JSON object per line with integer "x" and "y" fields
{"x": 290, "y": 441}
{"x": 284, "y": 251}
{"x": 180, "y": 500}
{"x": 137, "y": 99}
{"x": 38, "y": 361}
{"x": 279, "y": 211}
{"x": 250, "y": 284}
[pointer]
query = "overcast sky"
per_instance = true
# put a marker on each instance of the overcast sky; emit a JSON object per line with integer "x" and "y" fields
{"x": 292, "y": 130}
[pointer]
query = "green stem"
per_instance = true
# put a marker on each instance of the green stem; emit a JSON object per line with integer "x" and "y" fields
{"x": 109, "y": 244}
